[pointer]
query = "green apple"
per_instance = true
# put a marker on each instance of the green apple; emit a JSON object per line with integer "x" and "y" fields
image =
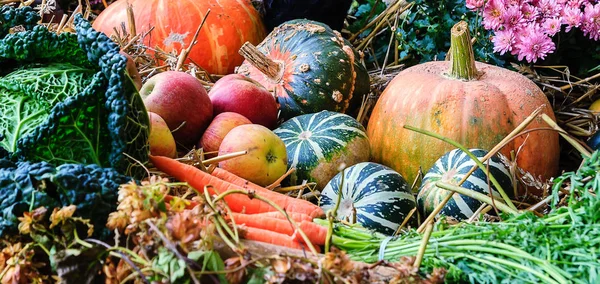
{"x": 266, "y": 159}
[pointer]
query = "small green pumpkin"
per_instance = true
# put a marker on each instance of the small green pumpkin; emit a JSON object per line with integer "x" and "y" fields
{"x": 318, "y": 143}
{"x": 309, "y": 67}
{"x": 451, "y": 168}
{"x": 373, "y": 195}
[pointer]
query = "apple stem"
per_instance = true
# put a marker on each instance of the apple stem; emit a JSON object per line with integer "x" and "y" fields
{"x": 271, "y": 69}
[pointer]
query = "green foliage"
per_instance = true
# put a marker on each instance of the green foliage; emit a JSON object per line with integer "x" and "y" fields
{"x": 67, "y": 99}
{"x": 26, "y": 186}
{"x": 423, "y": 32}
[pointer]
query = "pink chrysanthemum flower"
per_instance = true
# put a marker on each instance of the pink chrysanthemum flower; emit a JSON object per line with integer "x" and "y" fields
{"x": 512, "y": 17}
{"x": 503, "y": 41}
{"x": 575, "y": 3}
{"x": 508, "y": 3}
{"x": 475, "y": 4}
{"x": 530, "y": 12}
{"x": 549, "y": 8}
{"x": 533, "y": 44}
{"x": 551, "y": 26}
{"x": 571, "y": 16}
{"x": 492, "y": 14}
{"x": 590, "y": 22}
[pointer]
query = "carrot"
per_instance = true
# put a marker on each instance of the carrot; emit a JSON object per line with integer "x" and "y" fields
{"x": 315, "y": 233}
{"x": 266, "y": 236}
{"x": 235, "y": 179}
{"x": 198, "y": 179}
{"x": 298, "y": 217}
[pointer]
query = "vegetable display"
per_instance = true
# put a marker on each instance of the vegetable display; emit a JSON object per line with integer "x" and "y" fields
{"x": 318, "y": 143}
{"x": 315, "y": 170}
{"x": 471, "y": 102}
{"x": 229, "y": 24}
{"x": 452, "y": 168}
{"x": 66, "y": 98}
{"x": 309, "y": 67}
{"x": 369, "y": 194}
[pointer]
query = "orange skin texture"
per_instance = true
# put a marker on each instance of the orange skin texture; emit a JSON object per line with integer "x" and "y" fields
{"x": 229, "y": 24}
{"x": 179, "y": 97}
{"x": 240, "y": 94}
{"x": 266, "y": 159}
{"x": 161, "y": 140}
{"x": 477, "y": 114}
{"x": 218, "y": 129}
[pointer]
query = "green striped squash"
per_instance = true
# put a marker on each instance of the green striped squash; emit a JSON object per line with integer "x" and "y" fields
{"x": 318, "y": 143}
{"x": 451, "y": 168}
{"x": 380, "y": 197}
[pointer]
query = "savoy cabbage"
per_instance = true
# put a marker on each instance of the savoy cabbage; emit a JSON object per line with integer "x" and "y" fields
{"x": 67, "y": 98}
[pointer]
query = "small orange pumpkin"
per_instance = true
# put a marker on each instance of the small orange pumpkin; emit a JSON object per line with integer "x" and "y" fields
{"x": 472, "y": 102}
{"x": 229, "y": 25}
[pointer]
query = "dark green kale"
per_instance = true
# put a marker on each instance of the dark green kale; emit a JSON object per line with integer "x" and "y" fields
{"x": 25, "y": 186}
{"x": 10, "y": 17}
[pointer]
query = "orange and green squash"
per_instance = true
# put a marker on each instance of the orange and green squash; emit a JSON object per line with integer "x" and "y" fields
{"x": 472, "y": 102}
{"x": 309, "y": 67}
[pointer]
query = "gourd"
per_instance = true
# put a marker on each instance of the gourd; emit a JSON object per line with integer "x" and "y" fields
{"x": 372, "y": 195}
{"x": 471, "y": 102}
{"x": 318, "y": 143}
{"x": 309, "y": 67}
{"x": 451, "y": 168}
{"x": 229, "y": 24}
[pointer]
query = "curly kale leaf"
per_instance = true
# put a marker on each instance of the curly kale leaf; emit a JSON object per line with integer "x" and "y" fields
{"x": 67, "y": 99}
{"x": 9, "y": 17}
{"x": 25, "y": 186}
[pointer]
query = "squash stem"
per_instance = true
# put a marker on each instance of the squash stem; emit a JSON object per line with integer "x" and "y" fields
{"x": 264, "y": 64}
{"x": 461, "y": 50}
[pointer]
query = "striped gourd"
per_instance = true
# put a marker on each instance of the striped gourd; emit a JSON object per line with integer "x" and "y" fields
{"x": 318, "y": 143}
{"x": 373, "y": 195}
{"x": 451, "y": 168}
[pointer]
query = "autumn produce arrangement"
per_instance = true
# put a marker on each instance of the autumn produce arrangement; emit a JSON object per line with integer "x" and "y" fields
{"x": 268, "y": 141}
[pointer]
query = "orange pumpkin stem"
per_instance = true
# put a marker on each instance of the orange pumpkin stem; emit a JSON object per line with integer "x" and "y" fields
{"x": 264, "y": 64}
{"x": 461, "y": 50}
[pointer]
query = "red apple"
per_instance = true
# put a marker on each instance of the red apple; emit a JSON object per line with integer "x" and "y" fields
{"x": 179, "y": 97}
{"x": 161, "y": 140}
{"x": 218, "y": 128}
{"x": 240, "y": 94}
{"x": 266, "y": 159}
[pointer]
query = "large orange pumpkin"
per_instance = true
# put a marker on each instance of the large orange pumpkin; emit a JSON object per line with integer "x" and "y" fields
{"x": 229, "y": 25}
{"x": 474, "y": 103}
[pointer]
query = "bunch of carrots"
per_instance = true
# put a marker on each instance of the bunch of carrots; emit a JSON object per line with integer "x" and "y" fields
{"x": 262, "y": 221}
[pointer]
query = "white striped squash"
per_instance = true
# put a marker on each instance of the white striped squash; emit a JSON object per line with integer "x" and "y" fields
{"x": 318, "y": 143}
{"x": 373, "y": 195}
{"x": 451, "y": 168}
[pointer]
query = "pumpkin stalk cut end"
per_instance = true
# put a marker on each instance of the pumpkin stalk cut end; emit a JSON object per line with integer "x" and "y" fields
{"x": 273, "y": 70}
{"x": 461, "y": 50}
